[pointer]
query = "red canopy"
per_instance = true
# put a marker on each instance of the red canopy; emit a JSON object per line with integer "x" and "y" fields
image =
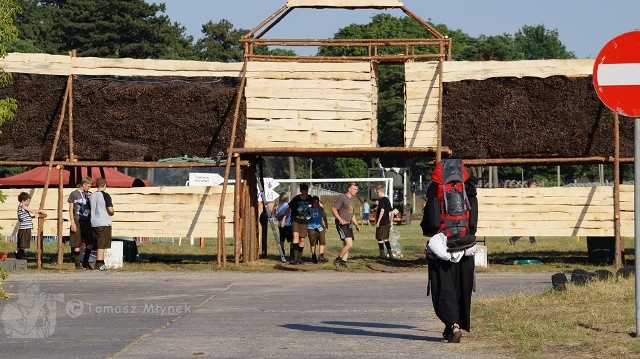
{"x": 37, "y": 176}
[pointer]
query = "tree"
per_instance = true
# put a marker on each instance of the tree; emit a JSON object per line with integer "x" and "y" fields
{"x": 102, "y": 28}
{"x": 8, "y": 33}
{"x": 536, "y": 42}
{"x": 351, "y": 168}
{"x": 221, "y": 42}
{"x": 529, "y": 43}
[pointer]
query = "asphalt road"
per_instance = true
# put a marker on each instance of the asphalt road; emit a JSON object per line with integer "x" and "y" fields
{"x": 226, "y": 314}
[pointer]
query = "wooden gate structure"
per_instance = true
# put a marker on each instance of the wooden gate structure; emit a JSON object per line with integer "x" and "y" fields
{"x": 313, "y": 106}
{"x": 307, "y": 106}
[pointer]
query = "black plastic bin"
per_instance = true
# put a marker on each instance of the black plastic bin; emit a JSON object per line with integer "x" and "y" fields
{"x": 601, "y": 250}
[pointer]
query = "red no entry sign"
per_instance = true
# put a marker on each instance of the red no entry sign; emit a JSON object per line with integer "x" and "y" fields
{"x": 616, "y": 74}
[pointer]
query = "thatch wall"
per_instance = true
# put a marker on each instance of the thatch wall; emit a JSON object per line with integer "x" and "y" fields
{"x": 530, "y": 117}
{"x": 122, "y": 118}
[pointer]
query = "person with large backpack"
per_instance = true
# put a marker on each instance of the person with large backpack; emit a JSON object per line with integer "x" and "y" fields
{"x": 450, "y": 218}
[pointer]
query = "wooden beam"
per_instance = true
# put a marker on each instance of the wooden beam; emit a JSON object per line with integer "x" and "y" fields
{"x": 399, "y": 152}
{"x": 542, "y": 161}
{"x": 345, "y": 4}
{"x": 127, "y": 164}
{"x": 45, "y": 64}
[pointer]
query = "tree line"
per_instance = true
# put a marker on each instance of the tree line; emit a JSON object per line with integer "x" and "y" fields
{"x": 137, "y": 29}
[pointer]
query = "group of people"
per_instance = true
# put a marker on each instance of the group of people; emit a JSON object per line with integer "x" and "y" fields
{"x": 90, "y": 222}
{"x": 304, "y": 216}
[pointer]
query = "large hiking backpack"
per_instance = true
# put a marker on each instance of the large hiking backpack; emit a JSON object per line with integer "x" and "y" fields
{"x": 450, "y": 176}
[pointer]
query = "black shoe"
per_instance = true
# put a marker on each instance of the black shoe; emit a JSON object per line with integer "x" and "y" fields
{"x": 78, "y": 266}
{"x": 314, "y": 258}
{"x": 456, "y": 334}
{"x": 337, "y": 261}
{"x": 87, "y": 266}
{"x": 102, "y": 267}
{"x": 322, "y": 259}
{"x": 296, "y": 261}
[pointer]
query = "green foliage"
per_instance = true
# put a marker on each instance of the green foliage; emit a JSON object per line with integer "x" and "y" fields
{"x": 8, "y": 33}
{"x": 102, "y": 28}
{"x": 351, "y": 168}
{"x": 529, "y": 43}
{"x": 3, "y": 276}
{"x": 536, "y": 42}
{"x": 221, "y": 42}
{"x": 8, "y": 107}
{"x": 8, "y": 30}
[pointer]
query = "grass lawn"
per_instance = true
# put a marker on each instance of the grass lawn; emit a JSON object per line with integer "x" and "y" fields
{"x": 555, "y": 253}
{"x": 591, "y": 321}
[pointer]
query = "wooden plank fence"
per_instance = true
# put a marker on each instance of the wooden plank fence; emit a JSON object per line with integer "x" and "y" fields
{"x": 192, "y": 211}
{"x": 553, "y": 211}
{"x": 140, "y": 211}
{"x": 311, "y": 105}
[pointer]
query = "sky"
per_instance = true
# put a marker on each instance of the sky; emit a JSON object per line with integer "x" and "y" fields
{"x": 584, "y": 26}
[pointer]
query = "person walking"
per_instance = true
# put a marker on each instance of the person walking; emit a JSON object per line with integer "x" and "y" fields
{"x": 344, "y": 214}
{"x": 299, "y": 210}
{"x": 101, "y": 213}
{"x": 80, "y": 219}
{"x": 450, "y": 218}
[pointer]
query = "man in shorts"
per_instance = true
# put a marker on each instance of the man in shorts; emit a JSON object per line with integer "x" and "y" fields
{"x": 383, "y": 222}
{"x": 101, "y": 213}
{"x": 317, "y": 230}
{"x": 344, "y": 213}
{"x": 80, "y": 219}
{"x": 299, "y": 211}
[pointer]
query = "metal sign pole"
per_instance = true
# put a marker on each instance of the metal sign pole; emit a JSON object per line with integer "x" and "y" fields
{"x": 636, "y": 215}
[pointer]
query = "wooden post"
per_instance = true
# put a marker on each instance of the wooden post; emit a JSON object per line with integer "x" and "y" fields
{"x": 439, "y": 134}
{"x": 220, "y": 242}
{"x": 254, "y": 234}
{"x": 60, "y": 219}
{"x": 71, "y": 150}
{"x": 237, "y": 225}
{"x": 619, "y": 248}
{"x": 246, "y": 219}
{"x": 201, "y": 242}
{"x": 234, "y": 126}
{"x": 48, "y": 179}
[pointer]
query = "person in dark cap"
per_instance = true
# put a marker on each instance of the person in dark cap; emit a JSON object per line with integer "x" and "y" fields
{"x": 299, "y": 209}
